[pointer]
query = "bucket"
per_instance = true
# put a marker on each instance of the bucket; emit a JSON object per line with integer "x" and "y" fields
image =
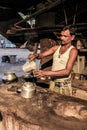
{"x": 12, "y": 59}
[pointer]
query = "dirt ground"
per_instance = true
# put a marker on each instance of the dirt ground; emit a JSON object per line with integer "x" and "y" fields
{"x": 21, "y": 57}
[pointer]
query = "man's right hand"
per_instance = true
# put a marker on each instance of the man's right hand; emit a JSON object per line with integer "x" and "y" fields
{"x": 32, "y": 56}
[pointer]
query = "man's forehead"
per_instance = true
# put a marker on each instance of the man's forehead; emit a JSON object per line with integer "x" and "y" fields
{"x": 66, "y": 31}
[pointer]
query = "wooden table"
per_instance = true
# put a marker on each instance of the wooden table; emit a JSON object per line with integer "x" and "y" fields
{"x": 18, "y": 113}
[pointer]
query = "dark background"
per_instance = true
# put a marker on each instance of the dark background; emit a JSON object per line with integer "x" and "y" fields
{"x": 50, "y": 15}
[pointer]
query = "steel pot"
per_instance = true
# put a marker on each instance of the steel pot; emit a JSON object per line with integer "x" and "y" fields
{"x": 28, "y": 90}
{"x": 9, "y": 76}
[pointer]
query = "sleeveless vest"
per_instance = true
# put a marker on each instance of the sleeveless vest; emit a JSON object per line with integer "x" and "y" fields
{"x": 60, "y": 61}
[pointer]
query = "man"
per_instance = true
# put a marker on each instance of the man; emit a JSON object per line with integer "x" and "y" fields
{"x": 64, "y": 56}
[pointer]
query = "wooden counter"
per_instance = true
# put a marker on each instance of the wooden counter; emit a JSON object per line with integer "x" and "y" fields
{"x": 80, "y": 89}
{"x": 18, "y": 113}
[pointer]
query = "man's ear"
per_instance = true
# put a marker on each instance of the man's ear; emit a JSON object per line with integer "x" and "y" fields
{"x": 73, "y": 37}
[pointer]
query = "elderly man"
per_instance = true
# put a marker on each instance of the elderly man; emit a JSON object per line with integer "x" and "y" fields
{"x": 64, "y": 56}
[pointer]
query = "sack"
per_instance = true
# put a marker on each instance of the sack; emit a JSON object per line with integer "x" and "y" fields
{"x": 29, "y": 66}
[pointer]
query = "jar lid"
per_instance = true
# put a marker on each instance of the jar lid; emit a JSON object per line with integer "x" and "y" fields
{"x": 29, "y": 85}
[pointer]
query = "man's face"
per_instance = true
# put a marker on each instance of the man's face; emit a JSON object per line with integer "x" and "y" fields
{"x": 66, "y": 37}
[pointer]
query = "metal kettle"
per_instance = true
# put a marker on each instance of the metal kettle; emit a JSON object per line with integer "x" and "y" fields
{"x": 28, "y": 90}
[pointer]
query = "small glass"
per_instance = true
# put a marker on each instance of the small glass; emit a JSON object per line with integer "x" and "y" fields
{"x": 34, "y": 102}
{"x": 40, "y": 97}
{"x": 40, "y": 103}
{"x": 49, "y": 102}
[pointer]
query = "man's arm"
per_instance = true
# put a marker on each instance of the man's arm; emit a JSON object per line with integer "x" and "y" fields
{"x": 43, "y": 54}
{"x": 63, "y": 72}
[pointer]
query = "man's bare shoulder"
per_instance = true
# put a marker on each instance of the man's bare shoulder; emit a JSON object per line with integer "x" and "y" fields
{"x": 74, "y": 51}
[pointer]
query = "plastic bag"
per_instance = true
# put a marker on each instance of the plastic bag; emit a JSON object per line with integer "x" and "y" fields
{"x": 29, "y": 66}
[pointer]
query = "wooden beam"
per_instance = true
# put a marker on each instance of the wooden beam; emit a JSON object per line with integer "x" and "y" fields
{"x": 47, "y": 8}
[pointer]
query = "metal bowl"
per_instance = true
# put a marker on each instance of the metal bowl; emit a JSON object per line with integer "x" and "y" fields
{"x": 9, "y": 76}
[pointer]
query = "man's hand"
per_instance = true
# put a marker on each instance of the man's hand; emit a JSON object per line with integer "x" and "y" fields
{"x": 39, "y": 73}
{"x": 32, "y": 56}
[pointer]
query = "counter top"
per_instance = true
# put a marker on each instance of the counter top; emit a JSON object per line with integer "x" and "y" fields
{"x": 64, "y": 112}
{"x": 80, "y": 84}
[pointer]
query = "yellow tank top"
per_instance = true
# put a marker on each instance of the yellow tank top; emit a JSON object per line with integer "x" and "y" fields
{"x": 60, "y": 61}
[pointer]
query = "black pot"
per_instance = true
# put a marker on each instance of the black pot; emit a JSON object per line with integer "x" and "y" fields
{"x": 7, "y": 81}
{"x": 30, "y": 78}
